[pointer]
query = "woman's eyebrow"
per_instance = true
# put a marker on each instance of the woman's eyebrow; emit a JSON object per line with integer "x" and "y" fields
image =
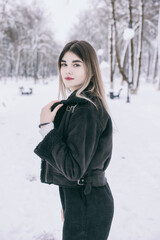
{"x": 72, "y": 61}
{"x": 76, "y": 61}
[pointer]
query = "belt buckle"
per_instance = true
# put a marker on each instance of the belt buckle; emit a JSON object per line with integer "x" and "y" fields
{"x": 80, "y": 182}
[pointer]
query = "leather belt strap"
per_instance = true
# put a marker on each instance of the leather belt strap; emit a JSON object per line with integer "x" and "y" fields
{"x": 96, "y": 180}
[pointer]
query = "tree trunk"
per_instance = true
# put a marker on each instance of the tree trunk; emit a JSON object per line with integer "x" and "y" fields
{"x": 131, "y": 46}
{"x": 124, "y": 55}
{"x": 155, "y": 68}
{"x": 111, "y": 54}
{"x": 148, "y": 67}
{"x": 17, "y": 63}
{"x": 154, "y": 64}
{"x": 139, "y": 54}
{"x": 116, "y": 42}
{"x": 132, "y": 60}
{"x": 36, "y": 66}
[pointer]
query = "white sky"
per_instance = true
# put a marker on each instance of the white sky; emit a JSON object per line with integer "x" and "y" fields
{"x": 63, "y": 15}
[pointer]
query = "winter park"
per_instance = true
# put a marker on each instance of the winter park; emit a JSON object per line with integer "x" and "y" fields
{"x": 126, "y": 37}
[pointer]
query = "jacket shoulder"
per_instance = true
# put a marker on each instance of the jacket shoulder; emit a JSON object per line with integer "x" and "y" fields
{"x": 94, "y": 110}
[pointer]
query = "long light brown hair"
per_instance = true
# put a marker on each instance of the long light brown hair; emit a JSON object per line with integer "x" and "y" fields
{"x": 93, "y": 83}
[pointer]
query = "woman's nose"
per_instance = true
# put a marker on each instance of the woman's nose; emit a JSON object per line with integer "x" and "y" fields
{"x": 69, "y": 70}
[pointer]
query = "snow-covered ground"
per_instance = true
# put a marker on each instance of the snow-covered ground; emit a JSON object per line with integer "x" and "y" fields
{"x": 30, "y": 210}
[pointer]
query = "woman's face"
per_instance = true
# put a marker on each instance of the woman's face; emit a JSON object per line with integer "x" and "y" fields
{"x": 73, "y": 71}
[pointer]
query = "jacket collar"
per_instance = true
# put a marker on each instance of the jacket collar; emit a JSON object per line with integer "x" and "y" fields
{"x": 72, "y": 99}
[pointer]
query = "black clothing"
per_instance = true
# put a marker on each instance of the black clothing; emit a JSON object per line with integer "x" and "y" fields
{"x": 80, "y": 144}
{"x": 86, "y": 217}
{"x": 78, "y": 148}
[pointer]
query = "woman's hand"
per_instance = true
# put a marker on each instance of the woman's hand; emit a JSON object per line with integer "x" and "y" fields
{"x": 46, "y": 114}
{"x": 62, "y": 216}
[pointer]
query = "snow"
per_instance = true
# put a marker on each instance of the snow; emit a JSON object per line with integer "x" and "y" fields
{"x": 30, "y": 210}
{"x": 134, "y": 170}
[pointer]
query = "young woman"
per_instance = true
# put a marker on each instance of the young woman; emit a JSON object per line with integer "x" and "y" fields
{"x": 77, "y": 145}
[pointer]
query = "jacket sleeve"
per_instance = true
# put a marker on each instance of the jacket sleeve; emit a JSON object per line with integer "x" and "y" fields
{"x": 72, "y": 155}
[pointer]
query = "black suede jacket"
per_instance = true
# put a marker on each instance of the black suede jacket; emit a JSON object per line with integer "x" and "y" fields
{"x": 80, "y": 143}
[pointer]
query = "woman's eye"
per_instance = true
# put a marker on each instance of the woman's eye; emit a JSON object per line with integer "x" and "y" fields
{"x": 76, "y": 65}
{"x": 63, "y": 64}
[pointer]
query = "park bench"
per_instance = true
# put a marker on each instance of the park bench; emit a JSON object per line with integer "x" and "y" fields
{"x": 26, "y": 91}
{"x": 112, "y": 95}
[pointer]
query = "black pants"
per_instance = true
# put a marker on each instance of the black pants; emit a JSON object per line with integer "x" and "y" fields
{"x": 87, "y": 217}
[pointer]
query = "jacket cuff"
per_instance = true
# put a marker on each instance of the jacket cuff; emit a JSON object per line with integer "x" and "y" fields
{"x": 46, "y": 129}
{"x": 45, "y": 147}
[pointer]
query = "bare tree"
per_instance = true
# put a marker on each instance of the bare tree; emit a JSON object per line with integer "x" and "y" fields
{"x": 149, "y": 53}
{"x": 140, "y": 41}
{"x": 112, "y": 17}
{"x": 110, "y": 36}
{"x": 27, "y": 46}
{"x": 116, "y": 42}
{"x": 131, "y": 46}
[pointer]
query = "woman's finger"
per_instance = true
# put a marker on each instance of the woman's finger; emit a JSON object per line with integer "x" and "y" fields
{"x": 62, "y": 216}
{"x": 51, "y": 103}
{"x": 57, "y": 108}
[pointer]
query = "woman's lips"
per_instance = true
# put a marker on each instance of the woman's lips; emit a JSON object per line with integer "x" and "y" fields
{"x": 68, "y": 78}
